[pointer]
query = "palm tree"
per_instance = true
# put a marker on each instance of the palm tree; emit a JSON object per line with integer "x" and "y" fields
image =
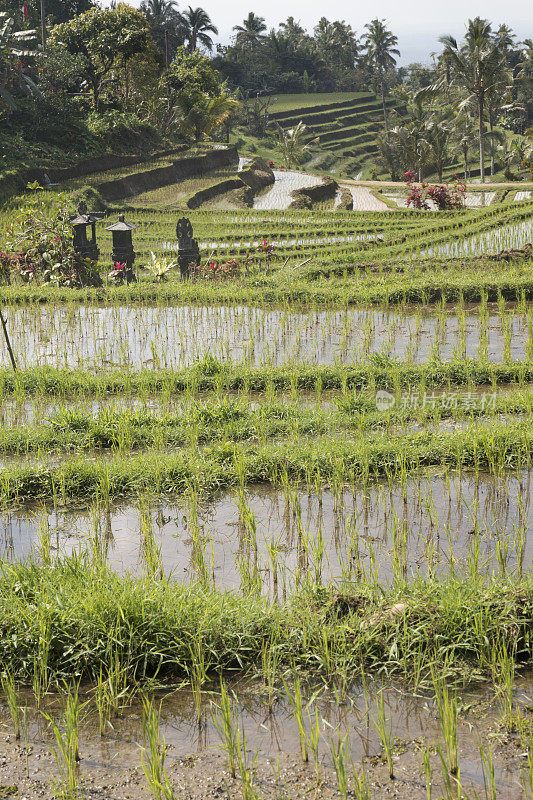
{"x": 440, "y": 127}
{"x": 202, "y": 115}
{"x": 251, "y": 32}
{"x": 15, "y": 45}
{"x": 380, "y": 45}
{"x": 291, "y": 144}
{"x": 292, "y": 31}
{"x": 477, "y": 67}
{"x": 165, "y": 23}
{"x": 196, "y": 26}
{"x": 465, "y": 133}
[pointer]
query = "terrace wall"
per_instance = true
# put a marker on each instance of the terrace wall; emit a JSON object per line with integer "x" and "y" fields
{"x": 304, "y": 198}
{"x": 163, "y": 176}
{"x": 203, "y": 195}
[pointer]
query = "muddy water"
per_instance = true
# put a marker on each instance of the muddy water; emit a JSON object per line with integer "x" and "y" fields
{"x": 176, "y": 336}
{"x": 197, "y": 764}
{"x": 282, "y": 537}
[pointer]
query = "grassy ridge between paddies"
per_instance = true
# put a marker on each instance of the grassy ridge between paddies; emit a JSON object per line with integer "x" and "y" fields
{"x": 504, "y": 444}
{"x": 432, "y": 281}
{"x": 230, "y": 420}
{"x": 76, "y": 619}
{"x": 211, "y": 375}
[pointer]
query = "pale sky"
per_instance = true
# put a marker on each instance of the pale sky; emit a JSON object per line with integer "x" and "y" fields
{"x": 418, "y": 24}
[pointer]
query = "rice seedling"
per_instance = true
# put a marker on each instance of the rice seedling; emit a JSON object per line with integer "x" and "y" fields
{"x": 428, "y": 773}
{"x": 503, "y": 676}
{"x": 361, "y": 510}
{"x": 200, "y": 663}
{"x": 10, "y": 694}
{"x": 68, "y": 783}
{"x": 339, "y": 750}
{"x": 297, "y": 705}
{"x": 447, "y": 710}
{"x": 489, "y": 778}
{"x": 223, "y": 717}
{"x": 153, "y": 754}
{"x": 384, "y": 730}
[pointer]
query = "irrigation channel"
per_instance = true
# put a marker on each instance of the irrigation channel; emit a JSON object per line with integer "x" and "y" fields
{"x": 176, "y": 336}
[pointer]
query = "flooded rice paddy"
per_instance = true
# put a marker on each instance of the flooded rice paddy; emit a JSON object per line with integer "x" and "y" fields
{"x": 278, "y": 539}
{"x": 196, "y": 762}
{"x": 364, "y": 199}
{"x": 279, "y": 195}
{"x": 504, "y": 238}
{"x": 177, "y": 336}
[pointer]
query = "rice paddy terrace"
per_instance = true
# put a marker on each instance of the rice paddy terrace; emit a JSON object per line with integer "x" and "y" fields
{"x": 281, "y": 519}
{"x": 347, "y": 127}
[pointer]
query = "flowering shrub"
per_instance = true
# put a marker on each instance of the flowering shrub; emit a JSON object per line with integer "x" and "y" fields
{"x": 40, "y": 250}
{"x": 417, "y": 198}
{"x": 121, "y": 273}
{"x": 265, "y": 248}
{"x": 216, "y": 270}
{"x": 445, "y": 197}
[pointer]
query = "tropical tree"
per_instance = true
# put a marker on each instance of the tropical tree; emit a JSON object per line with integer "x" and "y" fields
{"x": 56, "y": 10}
{"x": 524, "y": 76}
{"x": 165, "y": 24}
{"x": 465, "y": 134}
{"x": 203, "y": 115}
{"x": 380, "y": 45}
{"x": 336, "y": 42}
{"x": 251, "y": 32}
{"x": 14, "y": 46}
{"x": 106, "y": 37}
{"x": 410, "y": 139}
{"x": 478, "y": 67}
{"x": 292, "y": 145}
{"x": 293, "y": 31}
{"x": 439, "y": 130}
{"x": 512, "y": 152}
{"x": 196, "y": 26}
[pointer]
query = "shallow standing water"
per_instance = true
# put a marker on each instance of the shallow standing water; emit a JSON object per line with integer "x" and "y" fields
{"x": 435, "y": 523}
{"x": 177, "y": 336}
{"x": 196, "y": 762}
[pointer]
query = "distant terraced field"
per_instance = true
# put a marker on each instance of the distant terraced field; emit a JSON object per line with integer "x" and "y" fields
{"x": 347, "y": 126}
